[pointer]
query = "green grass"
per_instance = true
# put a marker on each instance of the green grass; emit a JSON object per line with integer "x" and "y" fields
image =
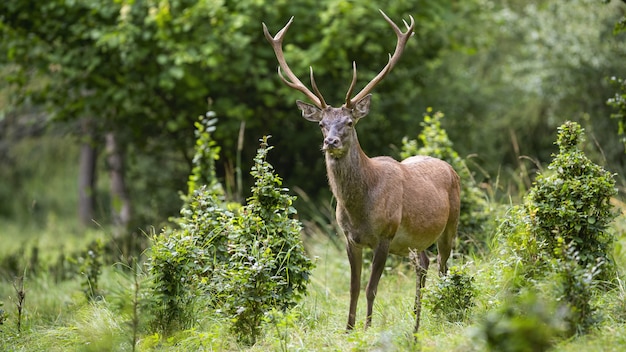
{"x": 59, "y": 318}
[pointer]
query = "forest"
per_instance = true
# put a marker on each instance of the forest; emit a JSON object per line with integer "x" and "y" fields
{"x": 160, "y": 190}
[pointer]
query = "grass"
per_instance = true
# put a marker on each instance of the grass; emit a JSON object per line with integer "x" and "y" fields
{"x": 58, "y": 317}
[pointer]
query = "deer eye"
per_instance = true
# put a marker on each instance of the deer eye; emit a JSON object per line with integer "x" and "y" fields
{"x": 350, "y": 123}
{"x": 321, "y": 124}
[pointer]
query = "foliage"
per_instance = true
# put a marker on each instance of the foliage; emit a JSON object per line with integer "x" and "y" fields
{"x": 3, "y": 315}
{"x": 577, "y": 286}
{"x": 143, "y": 68}
{"x": 267, "y": 267}
{"x": 474, "y": 206}
{"x": 618, "y": 102}
{"x": 561, "y": 230}
{"x": 206, "y": 154}
{"x": 91, "y": 268}
{"x": 523, "y": 324}
{"x": 247, "y": 263}
{"x": 454, "y": 295}
{"x": 572, "y": 203}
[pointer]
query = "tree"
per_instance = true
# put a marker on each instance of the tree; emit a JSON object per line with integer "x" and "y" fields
{"x": 143, "y": 70}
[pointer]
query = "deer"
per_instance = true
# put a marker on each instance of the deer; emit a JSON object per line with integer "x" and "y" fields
{"x": 393, "y": 207}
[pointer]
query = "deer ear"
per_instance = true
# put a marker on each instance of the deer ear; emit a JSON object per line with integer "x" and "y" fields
{"x": 362, "y": 107}
{"x": 309, "y": 112}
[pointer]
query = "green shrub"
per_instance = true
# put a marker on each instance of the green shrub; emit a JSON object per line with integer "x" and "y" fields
{"x": 576, "y": 290}
{"x": 182, "y": 261}
{"x": 244, "y": 264}
{"x": 453, "y": 297}
{"x": 561, "y": 232}
{"x": 91, "y": 268}
{"x": 571, "y": 204}
{"x": 268, "y": 267}
{"x": 524, "y": 323}
{"x": 474, "y": 205}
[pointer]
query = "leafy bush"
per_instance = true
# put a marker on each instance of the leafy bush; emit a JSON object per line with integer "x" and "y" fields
{"x": 523, "y": 324}
{"x": 474, "y": 206}
{"x": 91, "y": 268}
{"x": 571, "y": 204}
{"x": 561, "y": 230}
{"x": 245, "y": 264}
{"x": 268, "y": 267}
{"x": 576, "y": 286}
{"x": 453, "y": 297}
{"x": 183, "y": 260}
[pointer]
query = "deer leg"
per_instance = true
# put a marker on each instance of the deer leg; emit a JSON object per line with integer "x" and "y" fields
{"x": 378, "y": 265}
{"x": 444, "y": 247}
{"x": 420, "y": 262}
{"x": 355, "y": 257}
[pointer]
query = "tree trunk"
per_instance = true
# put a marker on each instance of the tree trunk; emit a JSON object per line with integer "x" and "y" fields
{"x": 120, "y": 201}
{"x": 87, "y": 175}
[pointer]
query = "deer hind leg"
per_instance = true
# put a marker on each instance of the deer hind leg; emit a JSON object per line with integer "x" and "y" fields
{"x": 355, "y": 257}
{"x": 378, "y": 265}
{"x": 444, "y": 243}
{"x": 420, "y": 262}
{"x": 444, "y": 248}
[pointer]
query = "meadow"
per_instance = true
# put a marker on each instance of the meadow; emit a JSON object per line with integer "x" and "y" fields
{"x": 57, "y": 316}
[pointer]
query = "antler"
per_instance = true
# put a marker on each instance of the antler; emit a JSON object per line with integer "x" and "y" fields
{"x": 403, "y": 37}
{"x": 293, "y": 82}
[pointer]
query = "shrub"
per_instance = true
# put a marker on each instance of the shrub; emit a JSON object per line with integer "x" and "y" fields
{"x": 561, "y": 230}
{"x": 268, "y": 267}
{"x": 453, "y": 297}
{"x": 474, "y": 205}
{"x": 576, "y": 286}
{"x": 245, "y": 264}
{"x": 182, "y": 261}
{"x": 91, "y": 268}
{"x": 571, "y": 204}
{"x": 525, "y": 323}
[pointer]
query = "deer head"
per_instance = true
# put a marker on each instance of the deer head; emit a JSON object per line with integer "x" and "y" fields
{"x": 337, "y": 124}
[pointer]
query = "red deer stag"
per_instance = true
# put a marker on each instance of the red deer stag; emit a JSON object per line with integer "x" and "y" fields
{"x": 389, "y": 206}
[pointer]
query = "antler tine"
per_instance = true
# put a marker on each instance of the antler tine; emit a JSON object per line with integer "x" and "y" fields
{"x": 403, "y": 37}
{"x": 292, "y": 81}
{"x": 315, "y": 90}
{"x": 348, "y": 104}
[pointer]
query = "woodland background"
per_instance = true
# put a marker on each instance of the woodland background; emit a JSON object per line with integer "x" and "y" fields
{"x": 100, "y": 102}
{"x": 125, "y": 81}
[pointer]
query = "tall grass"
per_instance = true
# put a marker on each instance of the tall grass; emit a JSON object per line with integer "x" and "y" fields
{"x": 58, "y": 317}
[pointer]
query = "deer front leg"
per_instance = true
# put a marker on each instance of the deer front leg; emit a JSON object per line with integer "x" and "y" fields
{"x": 355, "y": 257}
{"x": 378, "y": 265}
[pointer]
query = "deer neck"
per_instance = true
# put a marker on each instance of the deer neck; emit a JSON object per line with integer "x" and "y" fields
{"x": 349, "y": 175}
